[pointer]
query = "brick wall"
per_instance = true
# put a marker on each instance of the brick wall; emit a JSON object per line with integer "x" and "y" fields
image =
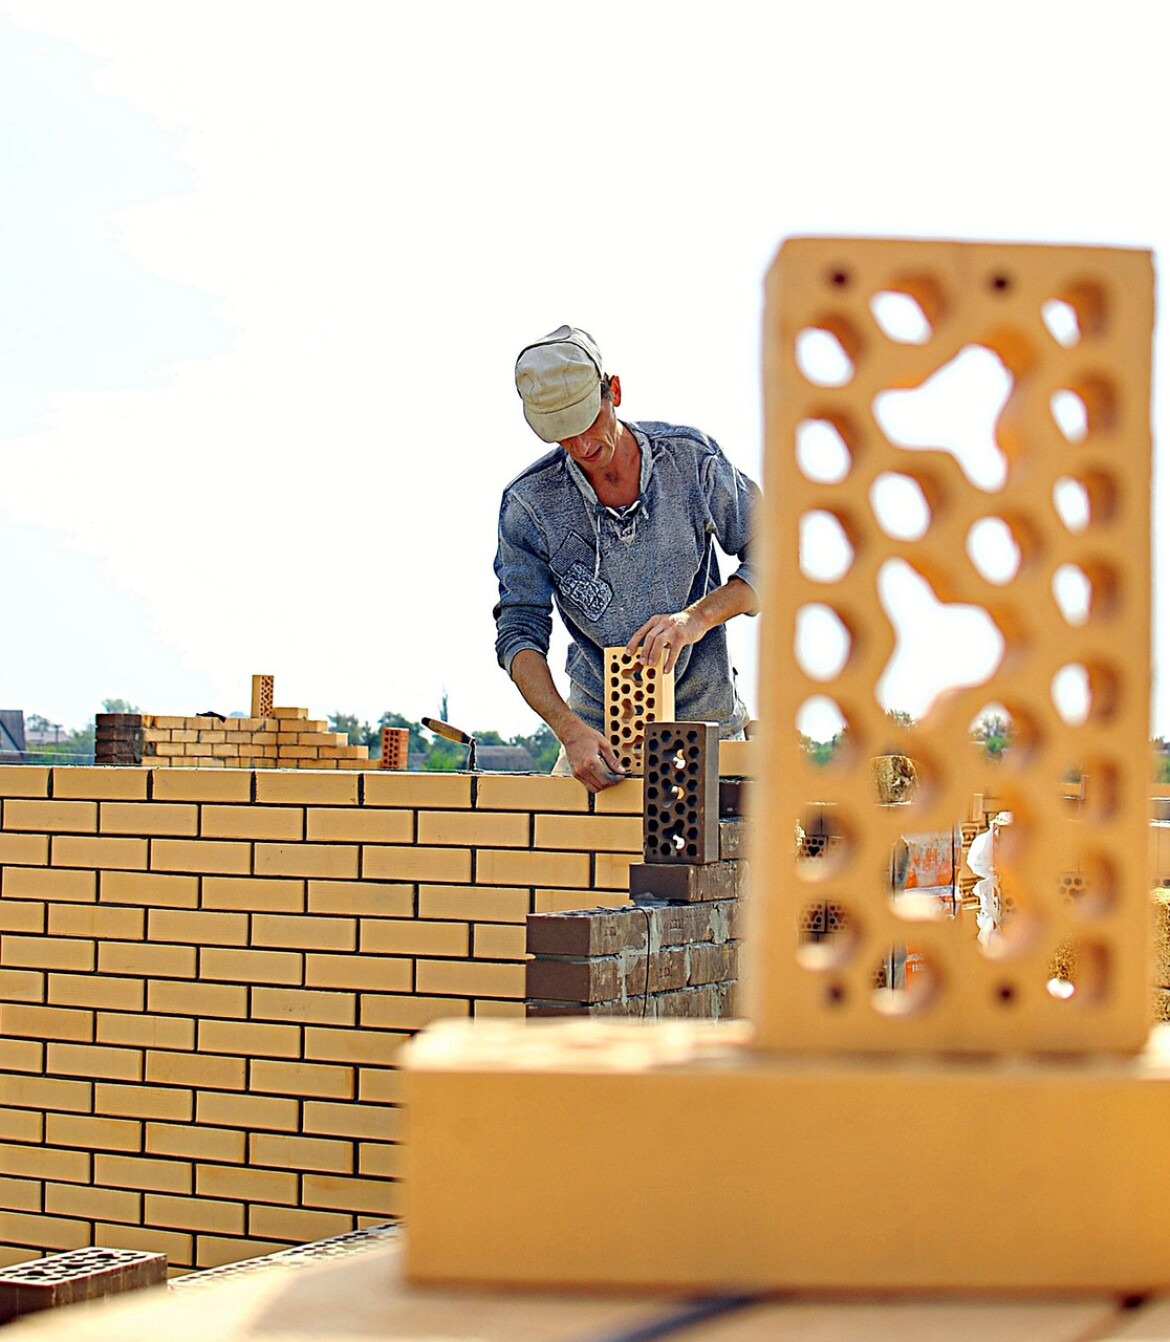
{"x": 205, "y": 976}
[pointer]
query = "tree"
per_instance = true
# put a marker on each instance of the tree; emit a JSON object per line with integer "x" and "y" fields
{"x": 542, "y": 745}
{"x": 356, "y": 733}
{"x": 993, "y": 732}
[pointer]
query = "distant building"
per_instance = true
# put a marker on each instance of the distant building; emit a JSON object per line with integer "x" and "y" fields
{"x": 12, "y": 743}
{"x": 504, "y": 759}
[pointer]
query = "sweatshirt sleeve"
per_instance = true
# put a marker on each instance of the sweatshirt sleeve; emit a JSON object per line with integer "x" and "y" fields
{"x": 523, "y": 614}
{"x": 734, "y": 501}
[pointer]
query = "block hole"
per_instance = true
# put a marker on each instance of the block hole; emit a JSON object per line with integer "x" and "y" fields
{"x": 899, "y": 506}
{"x": 900, "y": 317}
{"x": 1088, "y": 407}
{"x": 824, "y": 843}
{"x": 826, "y": 935}
{"x": 905, "y": 982}
{"x": 826, "y": 552}
{"x": 1100, "y": 788}
{"x": 1063, "y": 324}
{"x": 824, "y": 731}
{"x": 1078, "y": 972}
{"x": 993, "y": 550}
{"x": 1073, "y": 593}
{"x": 1071, "y": 501}
{"x": 825, "y": 353}
{"x": 1002, "y": 732}
{"x": 955, "y": 410}
{"x": 1085, "y": 693}
{"x": 823, "y": 642}
{"x": 1090, "y": 890}
{"x": 939, "y": 646}
{"x": 822, "y": 453}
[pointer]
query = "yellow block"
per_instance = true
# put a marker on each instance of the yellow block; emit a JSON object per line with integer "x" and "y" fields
{"x": 669, "y": 1154}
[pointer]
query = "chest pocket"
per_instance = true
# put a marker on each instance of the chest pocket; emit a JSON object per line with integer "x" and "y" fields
{"x": 572, "y": 567}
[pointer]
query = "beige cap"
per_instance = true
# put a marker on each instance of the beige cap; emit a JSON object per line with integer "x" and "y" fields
{"x": 559, "y": 381}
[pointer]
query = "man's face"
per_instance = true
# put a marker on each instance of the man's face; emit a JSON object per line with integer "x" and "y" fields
{"x": 594, "y": 449}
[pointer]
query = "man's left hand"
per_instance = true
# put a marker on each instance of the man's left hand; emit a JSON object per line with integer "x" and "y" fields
{"x": 665, "y": 636}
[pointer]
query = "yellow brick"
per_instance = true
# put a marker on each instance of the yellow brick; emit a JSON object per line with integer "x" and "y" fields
{"x": 143, "y": 1102}
{"x": 224, "y": 1181}
{"x": 530, "y": 792}
{"x": 21, "y": 1125}
{"x": 593, "y": 833}
{"x": 331, "y": 825}
{"x": 50, "y": 1233}
{"x": 391, "y": 787}
{"x": 88, "y": 1133}
{"x": 112, "y": 781}
{"x": 469, "y": 977}
{"x": 220, "y": 1250}
{"x": 150, "y": 959}
{"x": 21, "y": 1055}
{"x": 304, "y": 932}
{"x": 374, "y": 1122}
{"x": 380, "y": 1160}
{"x": 611, "y": 871}
{"x": 394, "y": 1011}
{"x": 120, "y": 854}
{"x": 10, "y": 1257}
{"x": 96, "y": 990}
{"x": 417, "y": 864}
{"x": 361, "y": 898}
{"x": 249, "y": 966}
{"x": 110, "y": 1204}
{"x": 149, "y": 888}
{"x": 201, "y": 855}
{"x": 253, "y": 822}
{"x": 200, "y": 927}
{"x": 738, "y": 759}
{"x": 384, "y": 936}
{"x": 20, "y": 1195}
{"x": 375, "y": 1196}
{"x": 295, "y": 1225}
{"x": 131, "y": 817}
{"x": 22, "y": 915}
{"x": 480, "y": 903}
{"x": 304, "y": 787}
{"x": 150, "y": 1175}
{"x": 58, "y": 817}
{"x": 358, "y": 973}
{"x": 49, "y": 883}
{"x": 45, "y": 1092}
{"x": 42, "y": 1022}
{"x": 304, "y": 1005}
{"x": 248, "y": 1111}
{"x": 19, "y": 952}
{"x": 201, "y": 785}
{"x": 303, "y": 1078}
{"x": 177, "y": 1247}
{"x": 307, "y": 859}
{"x": 496, "y": 941}
{"x": 22, "y": 780}
{"x": 273, "y": 1151}
{"x": 157, "y": 1031}
{"x": 475, "y": 829}
{"x": 196, "y": 1069}
{"x": 180, "y": 1213}
{"x": 496, "y": 866}
{"x": 251, "y": 1039}
{"x": 22, "y": 985}
{"x": 102, "y": 922}
{"x": 286, "y": 712}
{"x": 381, "y": 1085}
{"x": 193, "y": 1141}
{"x": 251, "y": 895}
{"x": 94, "y": 1061}
{"x": 621, "y": 799}
{"x": 367, "y": 1045}
{"x": 491, "y": 1009}
{"x": 23, "y": 850}
{"x": 42, "y": 1162}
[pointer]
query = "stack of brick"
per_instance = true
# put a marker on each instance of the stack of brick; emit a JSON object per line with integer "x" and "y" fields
{"x": 676, "y": 952}
{"x": 118, "y": 738}
{"x": 289, "y": 739}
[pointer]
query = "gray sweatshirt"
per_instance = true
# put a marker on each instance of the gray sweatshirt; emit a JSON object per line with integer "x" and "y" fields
{"x": 609, "y": 570}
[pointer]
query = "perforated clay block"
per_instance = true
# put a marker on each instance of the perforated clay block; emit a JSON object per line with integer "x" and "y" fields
{"x": 1063, "y": 489}
{"x": 79, "y": 1274}
{"x": 680, "y": 795}
{"x": 635, "y": 694}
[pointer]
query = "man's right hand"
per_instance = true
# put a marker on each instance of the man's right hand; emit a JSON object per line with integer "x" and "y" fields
{"x": 592, "y": 758}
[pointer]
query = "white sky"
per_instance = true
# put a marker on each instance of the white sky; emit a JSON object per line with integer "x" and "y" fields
{"x": 265, "y": 267}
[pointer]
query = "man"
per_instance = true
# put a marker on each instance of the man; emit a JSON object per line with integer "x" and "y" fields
{"x": 618, "y": 526}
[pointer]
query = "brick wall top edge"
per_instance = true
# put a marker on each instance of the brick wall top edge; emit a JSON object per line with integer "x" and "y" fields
{"x": 23, "y": 780}
{"x": 119, "y": 782}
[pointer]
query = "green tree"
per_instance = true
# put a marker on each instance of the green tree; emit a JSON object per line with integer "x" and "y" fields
{"x": 993, "y": 733}
{"x": 542, "y": 745}
{"x": 356, "y": 733}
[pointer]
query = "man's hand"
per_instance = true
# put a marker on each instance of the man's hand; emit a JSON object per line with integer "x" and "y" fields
{"x": 665, "y": 636}
{"x": 592, "y": 758}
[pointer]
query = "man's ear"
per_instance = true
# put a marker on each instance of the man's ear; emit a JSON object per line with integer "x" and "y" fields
{"x": 615, "y": 390}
